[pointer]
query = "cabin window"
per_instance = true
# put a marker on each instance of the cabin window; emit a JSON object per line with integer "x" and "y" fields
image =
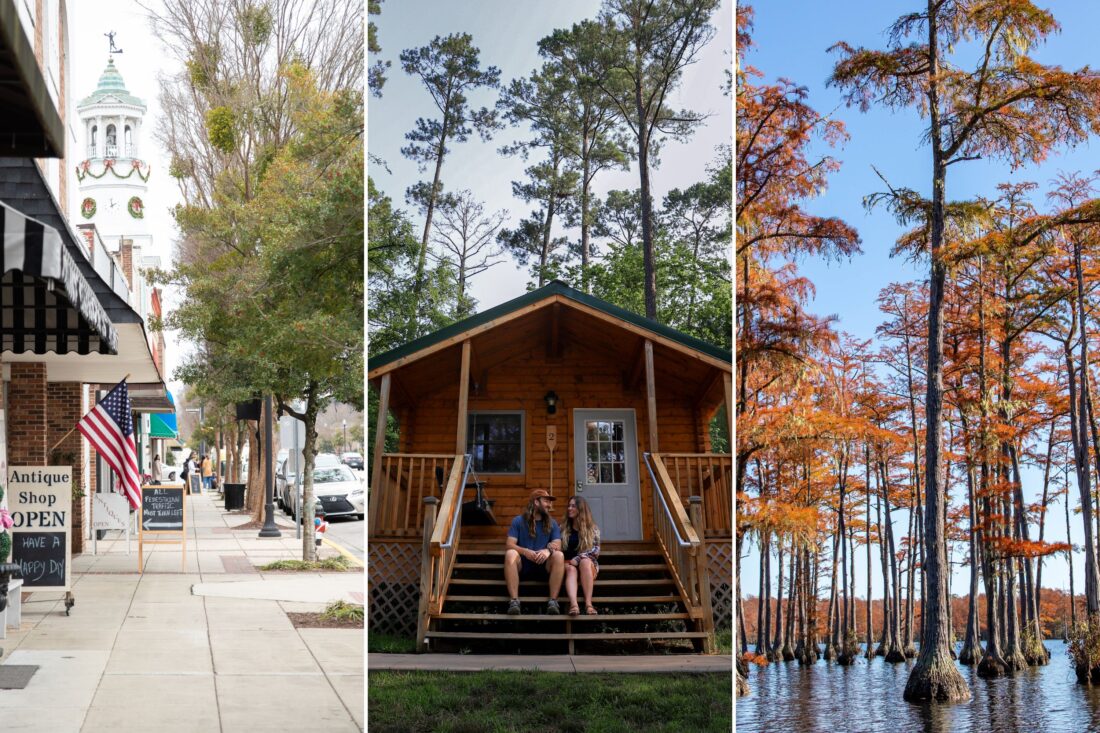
{"x": 494, "y": 441}
{"x": 606, "y": 452}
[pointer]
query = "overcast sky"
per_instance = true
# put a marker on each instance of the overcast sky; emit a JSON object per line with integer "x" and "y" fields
{"x": 507, "y": 33}
{"x": 141, "y": 61}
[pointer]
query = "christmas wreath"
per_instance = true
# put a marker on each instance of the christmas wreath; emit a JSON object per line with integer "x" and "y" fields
{"x": 87, "y": 208}
{"x": 136, "y": 208}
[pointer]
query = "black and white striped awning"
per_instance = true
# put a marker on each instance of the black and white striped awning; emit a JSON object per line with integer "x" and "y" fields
{"x": 45, "y": 302}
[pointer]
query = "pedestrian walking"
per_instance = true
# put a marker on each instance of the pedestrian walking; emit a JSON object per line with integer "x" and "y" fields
{"x": 207, "y": 473}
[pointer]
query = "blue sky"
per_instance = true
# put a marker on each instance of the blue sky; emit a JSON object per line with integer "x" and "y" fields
{"x": 791, "y": 39}
{"x": 507, "y": 33}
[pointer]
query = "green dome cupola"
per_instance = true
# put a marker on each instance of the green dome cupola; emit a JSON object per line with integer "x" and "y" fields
{"x": 111, "y": 90}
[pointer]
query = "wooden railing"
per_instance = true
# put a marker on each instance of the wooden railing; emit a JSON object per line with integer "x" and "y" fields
{"x": 707, "y": 475}
{"x": 442, "y": 531}
{"x": 406, "y": 479}
{"x": 681, "y": 544}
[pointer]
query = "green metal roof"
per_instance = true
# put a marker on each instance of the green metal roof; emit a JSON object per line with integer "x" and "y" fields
{"x": 110, "y": 85}
{"x": 555, "y": 287}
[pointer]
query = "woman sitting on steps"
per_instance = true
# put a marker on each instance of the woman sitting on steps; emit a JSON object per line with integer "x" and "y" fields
{"x": 581, "y": 543}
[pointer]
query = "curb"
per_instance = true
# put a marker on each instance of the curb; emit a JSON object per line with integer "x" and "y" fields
{"x": 352, "y": 559}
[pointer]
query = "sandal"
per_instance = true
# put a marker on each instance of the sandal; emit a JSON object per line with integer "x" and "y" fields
{"x": 590, "y": 610}
{"x": 574, "y": 609}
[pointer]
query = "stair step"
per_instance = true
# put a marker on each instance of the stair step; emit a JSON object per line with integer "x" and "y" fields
{"x": 531, "y": 583}
{"x": 544, "y": 599}
{"x": 498, "y": 550}
{"x": 603, "y": 567}
{"x": 563, "y": 617}
{"x": 579, "y": 637}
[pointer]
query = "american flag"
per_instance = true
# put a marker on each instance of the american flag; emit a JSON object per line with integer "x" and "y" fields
{"x": 110, "y": 429}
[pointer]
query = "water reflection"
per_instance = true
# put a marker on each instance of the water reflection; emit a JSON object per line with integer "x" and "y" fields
{"x": 826, "y": 698}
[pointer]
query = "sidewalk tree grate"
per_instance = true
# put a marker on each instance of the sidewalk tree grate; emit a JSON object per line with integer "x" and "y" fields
{"x": 16, "y": 676}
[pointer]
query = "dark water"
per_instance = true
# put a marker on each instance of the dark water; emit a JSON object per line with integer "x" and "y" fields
{"x": 827, "y": 698}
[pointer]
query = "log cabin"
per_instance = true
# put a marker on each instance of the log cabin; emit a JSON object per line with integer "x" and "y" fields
{"x": 562, "y": 391}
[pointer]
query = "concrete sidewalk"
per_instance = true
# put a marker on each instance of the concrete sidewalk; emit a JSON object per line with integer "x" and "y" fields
{"x": 205, "y": 648}
{"x": 659, "y": 663}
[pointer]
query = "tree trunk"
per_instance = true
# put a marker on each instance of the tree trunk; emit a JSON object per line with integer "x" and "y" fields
{"x": 786, "y": 651}
{"x": 1038, "y": 600}
{"x": 242, "y": 435}
{"x": 934, "y": 676}
{"x": 881, "y": 649}
{"x": 833, "y": 623}
{"x": 1080, "y": 441}
{"x": 908, "y": 648}
{"x": 585, "y": 164}
{"x": 971, "y": 649}
{"x": 1069, "y": 539}
{"x": 870, "y": 650}
{"x": 422, "y": 256}
{"x": 845, "y": 655}
{"x": 777, "y": 642}
{"x": 644, "y": 132}
{"x": 256, "y": 471}
{"x": 309, "y": 452}
{"x": 551, "y": 207}
{"x": 894, "y": 652}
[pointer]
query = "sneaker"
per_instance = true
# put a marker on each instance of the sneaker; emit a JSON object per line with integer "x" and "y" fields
{"x": 513, "y": 607}
{"x": 552, "y": 607}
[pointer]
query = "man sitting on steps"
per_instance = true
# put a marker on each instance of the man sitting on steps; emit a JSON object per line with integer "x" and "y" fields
{"x": 534, "y": 551}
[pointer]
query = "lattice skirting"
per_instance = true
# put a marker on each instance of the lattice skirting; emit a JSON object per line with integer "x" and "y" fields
{"x": 720, "y": 569}
{"x": 393, "y": 587}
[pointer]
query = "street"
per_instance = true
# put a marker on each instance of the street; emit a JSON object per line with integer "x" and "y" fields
{"x": 349, "y": 533}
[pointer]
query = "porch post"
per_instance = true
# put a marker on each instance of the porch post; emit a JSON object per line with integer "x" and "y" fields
{"x": 727, "y": 387}
{"x": 651, "y": 397}
{"x": 430, "y": 507}
{"x": 463, "y": 399}
{"x": 702, "y": 575}
{"x": 379, "y": 448}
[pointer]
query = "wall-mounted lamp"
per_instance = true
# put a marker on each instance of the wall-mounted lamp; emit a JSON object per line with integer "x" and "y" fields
{"x": 551, "y": 402}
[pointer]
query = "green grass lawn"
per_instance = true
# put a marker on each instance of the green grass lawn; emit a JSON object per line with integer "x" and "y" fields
{"x": 547, "y": 702}
{"x": 386, "y": 644}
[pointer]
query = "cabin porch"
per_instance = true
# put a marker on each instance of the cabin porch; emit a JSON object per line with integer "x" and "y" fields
{"x": 554, "y": 392}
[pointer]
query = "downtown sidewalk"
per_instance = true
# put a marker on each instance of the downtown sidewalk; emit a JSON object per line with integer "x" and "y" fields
{"x": 208, "y": 648}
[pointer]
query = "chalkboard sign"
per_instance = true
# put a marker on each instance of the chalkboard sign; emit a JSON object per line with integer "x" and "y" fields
{"x": 195, "y": 481}
{"x": 42, "y": 558}
{"x": 164, "y": 519}
{"x": 161, "y": 509}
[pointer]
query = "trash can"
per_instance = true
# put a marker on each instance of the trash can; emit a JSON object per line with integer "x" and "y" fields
{"x": 234, "y": 496}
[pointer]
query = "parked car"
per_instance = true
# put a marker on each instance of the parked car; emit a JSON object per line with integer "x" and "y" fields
{"x": 286, "y": 478}
{"x": 352, "y": 460}
{"x": 334, "y": 487}
{"x": 283, "y": 476}
{"x": 357, "y": 497}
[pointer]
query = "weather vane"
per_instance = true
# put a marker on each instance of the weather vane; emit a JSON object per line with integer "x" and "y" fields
{"x": 114, "y": 48}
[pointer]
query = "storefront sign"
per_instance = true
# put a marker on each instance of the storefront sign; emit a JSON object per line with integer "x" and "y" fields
{"x": 110, "y": 511}
{"x": 40, "y": 500}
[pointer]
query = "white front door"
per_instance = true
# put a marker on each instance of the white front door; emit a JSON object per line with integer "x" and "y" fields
{"x": 605, "y": 460}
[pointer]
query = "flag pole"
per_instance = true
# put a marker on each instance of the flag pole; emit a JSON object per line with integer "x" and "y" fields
{"x": 73, "y": 428}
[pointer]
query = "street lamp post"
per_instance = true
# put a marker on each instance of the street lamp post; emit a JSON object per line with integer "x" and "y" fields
{"x": 269, "y": 530}
{"x": 345, "y": 437}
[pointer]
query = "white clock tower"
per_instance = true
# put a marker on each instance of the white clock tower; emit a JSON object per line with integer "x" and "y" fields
{"x": 112, "y": 177}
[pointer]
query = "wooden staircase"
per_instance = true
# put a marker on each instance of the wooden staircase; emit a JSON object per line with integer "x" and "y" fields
{"x": 640, "y": 607}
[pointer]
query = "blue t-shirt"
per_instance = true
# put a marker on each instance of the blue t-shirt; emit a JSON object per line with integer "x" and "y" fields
{"x": 540, "y": 540}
